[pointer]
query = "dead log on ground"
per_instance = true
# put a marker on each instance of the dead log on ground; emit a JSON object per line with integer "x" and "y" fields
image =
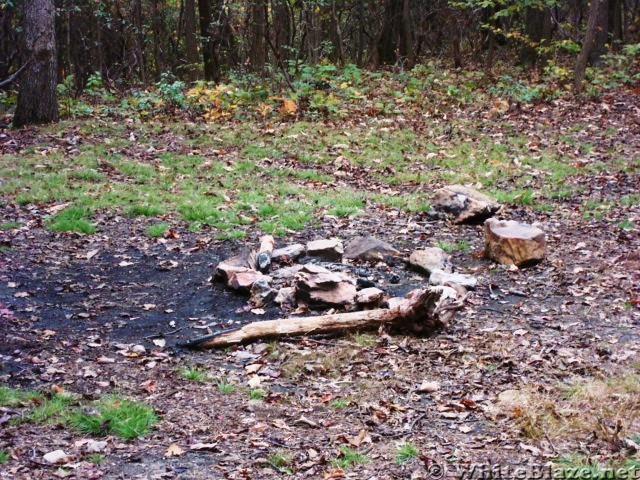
{"x": 423, "y": 311}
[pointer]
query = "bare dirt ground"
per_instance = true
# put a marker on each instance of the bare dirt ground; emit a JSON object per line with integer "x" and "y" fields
{"x": 71, "y": 303}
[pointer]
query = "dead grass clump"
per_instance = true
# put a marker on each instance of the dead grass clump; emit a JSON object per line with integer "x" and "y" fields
{"x": 586, "y": 410}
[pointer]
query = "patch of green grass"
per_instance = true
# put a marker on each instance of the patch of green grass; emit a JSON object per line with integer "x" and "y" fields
{"x": 86, "y": 175}
{"x": 9, "y": 225}
{"x": 195, "y": 374}
{"x": 157, "y": 230}
{"x": 406, "y": 453}
{"x": 4, "y": 456}
{"x": 281, "y": 461}
{"x": 339, "y": 403}
{"x": 144, "y": 211}
{"x": 13, "y": 397}
{"x": 462, "y": 245}
{"x": 631, "y": 200}
{"x": 51, "y": 409}
{"x": 349, "y": 458}
{"x": 96, "y": 458}
{"x": 363, "y": 339}
{"x": 235, "y": 234}
{"x": 256, "y": 394}
{"x": 72, "y": 219}
{"x": 200, "y": 212}
{"x": 520, "y": 197}
{"x": 114, "y": 415}
{"x": 224, "y": 386}
{"x": 626, "y": 224}
{"x": 577, "y": 467}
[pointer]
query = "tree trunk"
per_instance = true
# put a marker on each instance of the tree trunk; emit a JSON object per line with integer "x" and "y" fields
{"x": 190, "y": 39}
{"x": 209, "y": 45}
{"x": 37, "y": 101}
{"x": 423, "y": 311}
{"x": 593, "y": 44}
{"x": 257, "y": 32}
{"x": 538, "y": 25}
{"x": 281, "y": 29}
{"x": 395, "y": 39}
{"x": 157, "y": 43}
{"x": 139, "y": 40}
{"x": 616, "y": 23}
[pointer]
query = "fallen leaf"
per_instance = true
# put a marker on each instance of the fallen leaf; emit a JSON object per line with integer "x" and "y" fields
{"x": 204, "y": 446}
{"x": 174, "y": 450}
{"x": 56, "y": 456}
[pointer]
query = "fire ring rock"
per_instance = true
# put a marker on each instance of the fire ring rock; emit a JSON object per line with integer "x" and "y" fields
{"x": 465, "y": 204}
{"x": 513, "y": 243}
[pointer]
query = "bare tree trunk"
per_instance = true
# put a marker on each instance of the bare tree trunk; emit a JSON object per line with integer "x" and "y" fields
{"x": 37, "y": 101}
{"x": 257, "y": 32}
{"x": 281, "y": 28}
{"x": 537, "y": 34}
{"x": 191, "y": 40}
{"x": 139, "y": 40}
{"x": 157, "y": 45}
{"x": 209, "y": 44}
{"x": 593, "y": 43}
{"x": 616, "y": 23}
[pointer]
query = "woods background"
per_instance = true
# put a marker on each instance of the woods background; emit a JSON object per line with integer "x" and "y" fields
{"x": 135, "y": 41}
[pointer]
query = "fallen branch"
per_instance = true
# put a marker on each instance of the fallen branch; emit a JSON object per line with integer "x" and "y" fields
{"x": 424, "y": 310}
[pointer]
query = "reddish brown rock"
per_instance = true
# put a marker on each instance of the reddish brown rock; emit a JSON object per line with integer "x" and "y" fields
{"x": 245, "y": 280}
{"x": 513, "y": 243}
{"x": 331, "y": 249}
{"x": 330, "y": 289}
{"x": 464, "y": 204}
{"x": 243, "y": 262}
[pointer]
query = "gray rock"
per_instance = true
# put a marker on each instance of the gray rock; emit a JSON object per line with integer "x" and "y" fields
{"x": 430, "y": 259}
{"x": 438, "y": 277}
{"x": 369, "y": 296}
{"x": 368, "y": 248}
{"x": 330, "y": 249}
{"x": 286, "y": 296}
{"x": 261, "y": 292}
{"x": 464, "y": 203}
{"x": 288, "y": 253}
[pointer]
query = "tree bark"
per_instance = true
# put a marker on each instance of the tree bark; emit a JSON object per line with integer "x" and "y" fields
{"x": 37, "y": 100}
{"x": 593, "y": 44}
{"x": 257, "y": 35}
{"x": 538, "y": 28}
{"x": 209, "y": 44}
{"x": 281, "y": 29}
{"x": 190, "y": 39}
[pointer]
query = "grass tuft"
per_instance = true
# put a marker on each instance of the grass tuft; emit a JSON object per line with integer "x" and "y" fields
{"x": 157, "y": 230}
{"x": 12, "y": 397}
{"x": 72, "y": 219}
{"x": 349, "y": 458}
{"x": 144, "y": 211}
{"x": 406, "y": 453}
{"x": 114, "y": 415}
{"x": 224, "y": 386}
{"x": 256, "y": 394}
{"x": 281, "y": 461}
{"x": 195, "y": 374}
{"x": 4, "y": 456}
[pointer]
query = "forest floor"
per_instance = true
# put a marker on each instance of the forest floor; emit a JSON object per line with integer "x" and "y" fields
{"x": 540, "y": 370}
